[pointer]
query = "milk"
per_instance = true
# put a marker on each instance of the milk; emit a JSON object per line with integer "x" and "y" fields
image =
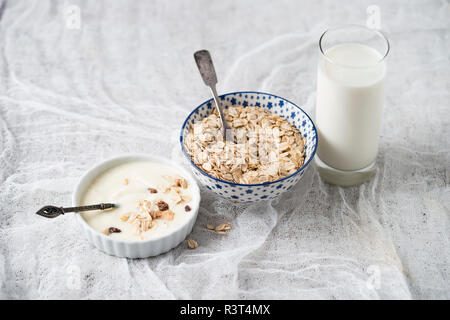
{"x": 350, "y": 87}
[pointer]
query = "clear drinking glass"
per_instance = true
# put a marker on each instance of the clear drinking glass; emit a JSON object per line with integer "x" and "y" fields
{"x": 350, "y": 98}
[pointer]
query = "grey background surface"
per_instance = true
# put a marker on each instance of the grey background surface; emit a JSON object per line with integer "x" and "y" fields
{"x": 124, "y": 82}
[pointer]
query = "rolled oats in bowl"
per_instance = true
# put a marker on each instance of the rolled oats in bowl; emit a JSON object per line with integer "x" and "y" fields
{"x": 270, "y": 144}
{"x": 263, "y": 146}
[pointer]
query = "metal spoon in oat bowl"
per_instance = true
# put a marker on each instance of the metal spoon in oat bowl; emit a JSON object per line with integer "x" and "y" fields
{"x": 208, "y": 73}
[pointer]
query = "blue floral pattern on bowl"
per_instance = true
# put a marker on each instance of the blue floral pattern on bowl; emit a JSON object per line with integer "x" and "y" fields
{"x": 275, "y": 104}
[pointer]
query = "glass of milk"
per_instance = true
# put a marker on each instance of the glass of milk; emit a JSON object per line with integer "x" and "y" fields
{"x": 349, "y": 104}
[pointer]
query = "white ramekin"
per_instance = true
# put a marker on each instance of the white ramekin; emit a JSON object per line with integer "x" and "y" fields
{"x": 143, "y": 248}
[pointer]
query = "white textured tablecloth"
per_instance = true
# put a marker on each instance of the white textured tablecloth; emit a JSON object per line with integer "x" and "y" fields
{"x": 124, "y": 82}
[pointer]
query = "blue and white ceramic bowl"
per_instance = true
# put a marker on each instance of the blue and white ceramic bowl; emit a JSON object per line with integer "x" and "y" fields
{"x": 254, "y": 192}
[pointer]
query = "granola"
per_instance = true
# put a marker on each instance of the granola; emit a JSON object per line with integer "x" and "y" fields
{"x": 192, "y": 244}
{"x": 148, "y": 212}
{"x": 264, "y": 146}
{"x": 221, "y": 228}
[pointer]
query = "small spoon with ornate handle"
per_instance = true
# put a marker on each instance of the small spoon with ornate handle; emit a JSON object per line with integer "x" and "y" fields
{"x": 53, "y": 212}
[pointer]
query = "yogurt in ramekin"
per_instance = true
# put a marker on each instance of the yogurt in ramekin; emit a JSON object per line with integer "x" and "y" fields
{"x": 157, "y": 202}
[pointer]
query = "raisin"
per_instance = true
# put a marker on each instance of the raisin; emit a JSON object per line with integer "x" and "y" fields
{"x": 162, "y": 206}
{"x": 114, "y": 230}
{"x": 152, "y": 190}
{"x": 187, "y": 208}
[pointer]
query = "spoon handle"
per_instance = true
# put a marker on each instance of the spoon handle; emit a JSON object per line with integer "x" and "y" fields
{"x": 101, "y": 206}
{"x": 219, "y": 108}
{"x": 53, "y": 211}
{"x": 206, "y": 67}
